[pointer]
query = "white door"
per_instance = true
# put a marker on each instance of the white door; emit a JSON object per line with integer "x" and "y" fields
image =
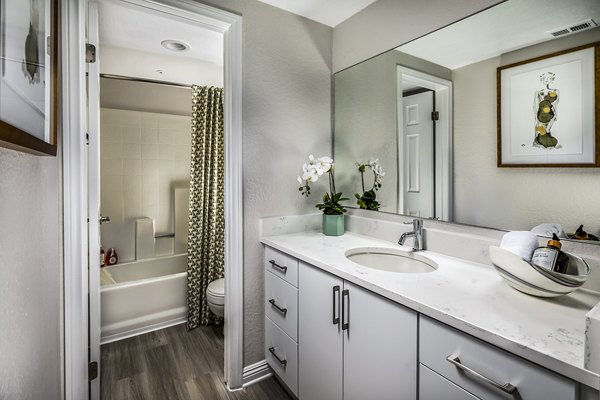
{"x": 419, "y": 155}
{"x": 380, "y": 347}
{"x": 94, "y": 199}
{"x": 320, "y": 365}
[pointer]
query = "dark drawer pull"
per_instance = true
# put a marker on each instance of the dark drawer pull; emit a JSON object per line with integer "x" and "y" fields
{"x": 279, "y": 267}
{"x": 282, "y": 362}
{"x": 281, "y": 310}
{"x": 345, "y": 310}
{"x": 336, "y": 316}
{"x": 505, "y": 387}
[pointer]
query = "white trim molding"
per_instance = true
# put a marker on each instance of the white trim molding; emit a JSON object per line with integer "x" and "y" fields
{"x": 234, "y": 217}
{"x": 75, "y": 251}
{"x": 256, "y": 372}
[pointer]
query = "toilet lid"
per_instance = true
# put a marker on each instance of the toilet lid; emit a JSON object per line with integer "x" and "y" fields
{"x": 215, "y": 292}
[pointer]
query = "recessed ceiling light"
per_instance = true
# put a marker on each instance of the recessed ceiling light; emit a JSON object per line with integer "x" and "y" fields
{"x": 175, "y": 45}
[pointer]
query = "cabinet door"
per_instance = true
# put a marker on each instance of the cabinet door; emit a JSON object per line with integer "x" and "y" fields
{"x": 380, "y": 347}
{"x": 319, "y": 338}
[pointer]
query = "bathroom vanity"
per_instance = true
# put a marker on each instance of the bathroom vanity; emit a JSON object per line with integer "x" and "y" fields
{"x": 335, "y": 329}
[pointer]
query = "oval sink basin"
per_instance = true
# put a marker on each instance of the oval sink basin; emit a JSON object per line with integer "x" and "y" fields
{"x": 391, "y": 260}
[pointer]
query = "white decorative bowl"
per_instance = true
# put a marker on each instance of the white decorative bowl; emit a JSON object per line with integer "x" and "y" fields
{"x": 531, "y": 279}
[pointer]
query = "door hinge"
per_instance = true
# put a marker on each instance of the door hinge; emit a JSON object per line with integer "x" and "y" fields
{"x": 92, "y": 370}
{"x": 87, "y": 138}
{"x": 435, "y": 115}
{"x": 90, "y": 53}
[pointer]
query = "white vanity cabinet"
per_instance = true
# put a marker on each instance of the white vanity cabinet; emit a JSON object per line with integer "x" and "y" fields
{"x": 281, "y": 316}
{"x": 352, "y": 344}
{"x": 329, "y": 339}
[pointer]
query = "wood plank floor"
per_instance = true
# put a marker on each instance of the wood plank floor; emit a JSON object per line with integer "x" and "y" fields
{"x": 174, "y": 364}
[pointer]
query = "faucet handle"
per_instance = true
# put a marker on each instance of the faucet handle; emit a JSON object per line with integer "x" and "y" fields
{"x": 417, "y": 223}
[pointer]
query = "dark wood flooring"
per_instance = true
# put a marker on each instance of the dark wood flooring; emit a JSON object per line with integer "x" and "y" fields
{"x": 174, "y": 364}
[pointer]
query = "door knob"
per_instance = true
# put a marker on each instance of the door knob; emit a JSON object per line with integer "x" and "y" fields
{"x": 104, "y": 219}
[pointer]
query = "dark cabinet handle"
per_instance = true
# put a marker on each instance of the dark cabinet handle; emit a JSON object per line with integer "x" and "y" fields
{"x": 282, "y": 362}
{"x": 345, "y": 310}
{"x": 279, "y": 267}
{"x": 281, "y": 310}
{"x": 336, "y": 316}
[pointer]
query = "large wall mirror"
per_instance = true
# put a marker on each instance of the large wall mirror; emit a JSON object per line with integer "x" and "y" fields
{"x": 426, "y": 114}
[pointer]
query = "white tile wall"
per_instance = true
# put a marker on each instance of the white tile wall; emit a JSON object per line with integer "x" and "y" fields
{"x": 143, "y": 157}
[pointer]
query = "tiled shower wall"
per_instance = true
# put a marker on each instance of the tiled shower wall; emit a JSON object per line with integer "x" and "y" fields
{"x": 143, "y": 157}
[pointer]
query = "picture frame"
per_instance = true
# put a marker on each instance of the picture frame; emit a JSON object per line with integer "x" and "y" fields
{"x": 29, "y": 75}
{"x": 548, "y": 110}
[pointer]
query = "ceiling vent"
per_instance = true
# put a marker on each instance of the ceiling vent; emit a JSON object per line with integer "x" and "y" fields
{"x": 578, "y": 27}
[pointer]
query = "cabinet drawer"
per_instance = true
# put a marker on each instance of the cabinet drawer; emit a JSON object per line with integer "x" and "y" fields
{"x": 435, "y": 387}
{"x": 281, "y": 353}
{"x": 439, "y": 342}
{"x": 281, "y": 304}
{"x": 282, "y": 265}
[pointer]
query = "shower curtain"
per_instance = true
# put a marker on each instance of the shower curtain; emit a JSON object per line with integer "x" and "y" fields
{"x": 206, "y": 235}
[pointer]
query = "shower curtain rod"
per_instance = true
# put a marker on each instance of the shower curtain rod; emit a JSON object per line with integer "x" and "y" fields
{"x": 144, "y": 80}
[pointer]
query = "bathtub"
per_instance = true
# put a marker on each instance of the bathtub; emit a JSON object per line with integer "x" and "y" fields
{"x": 142, "y": 296}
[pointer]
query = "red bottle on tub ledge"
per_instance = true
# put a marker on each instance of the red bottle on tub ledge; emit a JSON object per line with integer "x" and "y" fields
{"x": 111, "y": 257}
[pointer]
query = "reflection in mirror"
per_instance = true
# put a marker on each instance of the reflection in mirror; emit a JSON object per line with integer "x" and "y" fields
{"x": 427, "y": 111}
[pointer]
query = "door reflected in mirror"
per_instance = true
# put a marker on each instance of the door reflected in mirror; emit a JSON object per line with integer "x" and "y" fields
{"x": 427, "y": 111}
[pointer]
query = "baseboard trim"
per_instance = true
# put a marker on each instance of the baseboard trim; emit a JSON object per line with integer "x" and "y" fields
{"x": 256, "y": 373}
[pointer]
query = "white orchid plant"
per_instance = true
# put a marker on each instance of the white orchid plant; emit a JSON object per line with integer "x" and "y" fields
{"x": 311, "y": 172}
{"x": 368, "y": 199}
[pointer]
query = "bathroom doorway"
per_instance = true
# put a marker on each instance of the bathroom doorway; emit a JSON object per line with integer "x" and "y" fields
{"x": 145, "y": 60}
{"x": 424, "y": 118}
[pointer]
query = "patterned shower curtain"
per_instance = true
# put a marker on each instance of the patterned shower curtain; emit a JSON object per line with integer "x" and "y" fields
{"x": 206, "y": 235}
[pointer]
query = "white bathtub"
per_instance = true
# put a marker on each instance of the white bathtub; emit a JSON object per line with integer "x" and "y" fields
{"x": 143, "y": 296}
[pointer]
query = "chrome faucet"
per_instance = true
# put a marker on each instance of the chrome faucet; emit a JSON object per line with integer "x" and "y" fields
{"x": 416, "y": 234}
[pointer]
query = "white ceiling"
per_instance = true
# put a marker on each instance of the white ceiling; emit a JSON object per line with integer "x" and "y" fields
{"x": 126, "y": 26}
{"x": 328, "y": 12}
{"x": 500, "y": 29}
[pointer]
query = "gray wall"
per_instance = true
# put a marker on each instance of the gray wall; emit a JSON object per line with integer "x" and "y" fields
{"x": 386, "y": 24}
{"x": 30, "y": 277}
{"x": 365, "y": 122}
{"x": 286, "y": 116}
{"x": 513, "y": 198}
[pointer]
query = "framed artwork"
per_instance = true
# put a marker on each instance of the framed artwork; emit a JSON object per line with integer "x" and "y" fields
{"x": 29, "y": 37}
{"x": 548, "y": 110}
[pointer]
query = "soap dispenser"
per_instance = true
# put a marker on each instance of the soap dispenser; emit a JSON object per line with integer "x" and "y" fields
{"x": 550, "y": 257}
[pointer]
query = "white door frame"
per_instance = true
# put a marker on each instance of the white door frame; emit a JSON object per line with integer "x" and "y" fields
{"x": 443, "y": 104}
{"x": 75, "y": 196}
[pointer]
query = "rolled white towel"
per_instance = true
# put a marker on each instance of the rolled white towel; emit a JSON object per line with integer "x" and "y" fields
{"x": 547, "y": 230}
{"x": 522, "y": 243}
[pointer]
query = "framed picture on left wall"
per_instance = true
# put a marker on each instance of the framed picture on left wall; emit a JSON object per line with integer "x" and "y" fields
{"x": 29, "y": 52}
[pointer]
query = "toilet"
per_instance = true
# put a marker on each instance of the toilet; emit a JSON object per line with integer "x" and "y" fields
{"x": 215, "y": 295}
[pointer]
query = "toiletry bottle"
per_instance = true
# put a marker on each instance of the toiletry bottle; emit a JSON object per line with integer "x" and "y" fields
{"x": 580, "y": 234}
{"x": 111, "y": 256}
{"x": 102, "y": 257}
{"x": 550, "y": 257}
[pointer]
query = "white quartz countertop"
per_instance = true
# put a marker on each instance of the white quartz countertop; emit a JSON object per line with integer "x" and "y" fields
{"x": 468, "y": 296}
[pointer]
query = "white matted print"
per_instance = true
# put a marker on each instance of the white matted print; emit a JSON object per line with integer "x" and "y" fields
{"x": 24, "y": 66}
{"x": 547, "y": 111}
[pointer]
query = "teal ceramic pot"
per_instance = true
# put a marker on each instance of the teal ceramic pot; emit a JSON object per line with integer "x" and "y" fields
{"x": 333, "y": 225}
